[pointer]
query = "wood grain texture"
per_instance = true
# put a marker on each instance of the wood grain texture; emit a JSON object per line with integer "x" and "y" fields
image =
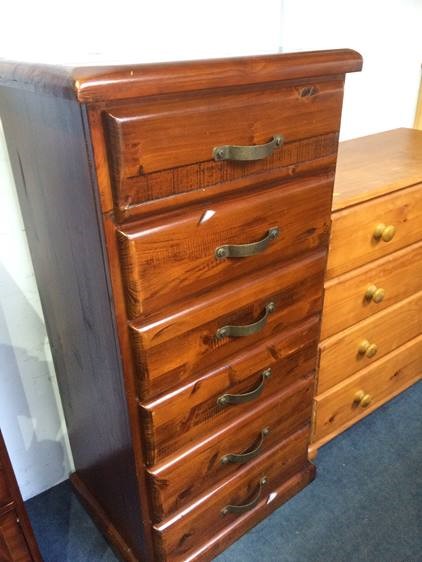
{"x": 178, "y": 418}
{"x": 194, "y": 124}
{"x": 193, "y": 470}
{"x": 339, "y": 357}
{"x": 166, "y": 259}
{"x": 376, "y": 165}
{"x": 336, "y": 408}
{"x": 17, "y": 540}
{"x": 171, "y": 348}
{"x": 399, "y": 274}
{"x": 177, "y": 537}
{"x": 58, "y": 202}
{"x": 352, "y": 242}
{"x": 92, "y": 84}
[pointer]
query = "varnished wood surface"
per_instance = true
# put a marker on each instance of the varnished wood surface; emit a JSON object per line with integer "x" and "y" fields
{"x": 388, "y": 329}
{"x": 352, "y": 242}
{"x": 170, "y": 257}
{"x": 171, "y": 348}
{"x": 89, "y": 84}
{"x": 177, "y": 537}
{"x": 399, "y": 274}
{"x": 194, "y": 124}
{"x": 335, "y": 409}
{"x": 17, "y": 540}
{"x": 376, "y": 165}
{"x": 191, "y": 411}
{"x": 189, "y": 472}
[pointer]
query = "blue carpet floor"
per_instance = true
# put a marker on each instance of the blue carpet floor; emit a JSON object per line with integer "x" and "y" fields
{"x": 364, "y": 506}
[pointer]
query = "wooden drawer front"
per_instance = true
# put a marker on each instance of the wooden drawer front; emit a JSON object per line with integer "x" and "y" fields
{"x": 166, "y": 259}
{"x": 13, "y": 547}
{"x": 352, "y": 232}
{"x": 171, "y": 350}
{"x": 340, "y": 356}
{"x": 5, "y": 496}
{"x": 400, "y": 275}
{"x": 337, "y": 408}
{"x": 190, "y": 472}
{"x": 176, "y": 419}
{"x": 158, "y": 134}
{"x": 181, "y": 534}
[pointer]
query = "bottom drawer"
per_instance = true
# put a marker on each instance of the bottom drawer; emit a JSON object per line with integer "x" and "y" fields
{"x": 349, "y": 401}
{"x": 178, "y": 537}
{"x": 13, "y": 547}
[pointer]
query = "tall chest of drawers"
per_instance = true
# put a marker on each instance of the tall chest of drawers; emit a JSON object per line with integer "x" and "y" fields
{"x": 17, "y": 542}
{"x": 178, "y": 219}
{"x": 371, "y": 346}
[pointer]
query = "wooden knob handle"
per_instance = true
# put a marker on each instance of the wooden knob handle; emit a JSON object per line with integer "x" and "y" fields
{"x": 368, "y": 349}
{"x": 374, "y": 293}
{"x": 384, "y": 232}
{"x": 362, "y": 399}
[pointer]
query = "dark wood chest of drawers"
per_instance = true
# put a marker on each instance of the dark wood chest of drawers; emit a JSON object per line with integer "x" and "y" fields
{"x": 17, "y": 542}
{"x": 178, "y": 218}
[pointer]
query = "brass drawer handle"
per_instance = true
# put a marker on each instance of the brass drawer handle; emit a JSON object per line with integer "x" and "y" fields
{"x": 374, "y": 293}
{"x": 249, "y": 329}
{"x": 242, "y": 458}
{"x": 245, "y": 250}
{"x": 368, "y": 349}
{"x": 246, "y": 506}
{"x": 252, "y": 152}
{"x": 226, "y": 399}
{"x": 383, "y": 232}
{"x": 362, "y": 399}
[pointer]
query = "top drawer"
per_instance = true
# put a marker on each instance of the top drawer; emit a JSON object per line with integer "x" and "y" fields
{"x": 167, "y": 132}
{"x": 371, "y": 230}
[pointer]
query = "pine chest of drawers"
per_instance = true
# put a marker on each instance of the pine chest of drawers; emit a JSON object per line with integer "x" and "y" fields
{"x": 371, "y": 331}
{"x": 178, "y": 218}
{"x": 17, "y": 542}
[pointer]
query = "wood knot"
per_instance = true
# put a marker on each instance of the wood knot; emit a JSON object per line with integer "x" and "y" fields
{"x": 307, "y": 91}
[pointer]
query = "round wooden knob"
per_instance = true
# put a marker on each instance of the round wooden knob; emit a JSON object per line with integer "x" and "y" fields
{"x": 368, "y": 349}
{"x": 374, "y": 293}
{"x": 362, "y": 399}
{"x": 384, "y": 232}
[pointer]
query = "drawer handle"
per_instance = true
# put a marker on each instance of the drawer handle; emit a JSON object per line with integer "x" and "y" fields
{"x": 246, "y": 506}
{"x": 383, "y": 232}
{"x": 249, "y": 329}
{"x": 374, "y": 293}
{"x": 362, "y": 399}
{"x": 245, "y": 250}
{"x": 226, "y": 399}
{"x": 242, "y": 458}
{"x": 251, "y": 152}
{"x": 368, "y": 349}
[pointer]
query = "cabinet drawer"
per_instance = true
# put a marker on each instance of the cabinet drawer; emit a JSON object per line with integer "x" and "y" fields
{"x": 180, "y": 478}
{"x": 167, "y": 133}
{"x": 357, "y": 236}
{"x": 345, "y": 303}
{"x": 13, "y": 547}
{"x": 341, "y": 406}
{"x": 170, "y": 350}
{"x": 177, "y": 537}
{"x": 5, "y": 496}
{"x": 170, "y": 257}
{"x": 369, "y": 340}
{"x": 178, "y": 418}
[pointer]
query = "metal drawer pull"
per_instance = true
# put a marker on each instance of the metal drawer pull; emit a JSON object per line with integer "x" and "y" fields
{"x": 240, "y": 331}
{"x": 226, "y": 399}
{"x": 246, "y": 506}
{"x": 252, "y": 152}
{"x": 245, "y": 250}
{"x": 241, "y": 458}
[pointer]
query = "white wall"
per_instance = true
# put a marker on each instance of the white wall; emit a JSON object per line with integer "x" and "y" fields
{"x": 388, "y": 33}
{"x": 30, "y": 412}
